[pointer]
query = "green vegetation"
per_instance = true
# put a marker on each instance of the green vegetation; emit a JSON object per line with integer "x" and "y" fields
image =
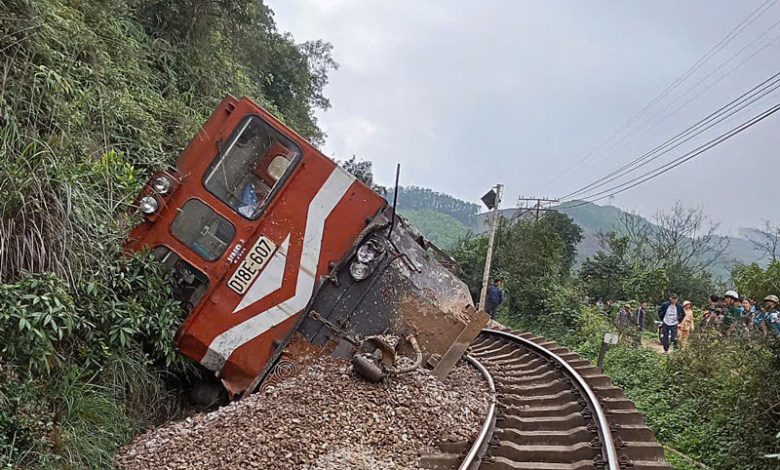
{"x": 95, "y": 96}
{"x": 597, "y": 221}
{"x": 646, "y": 262}
{"x": 443, "y": 230}
{"x": 716, "y": 402}
{"x": 532, "y": 258}
{"x": 412, "y": 198}
{"x": 756, "y": 282}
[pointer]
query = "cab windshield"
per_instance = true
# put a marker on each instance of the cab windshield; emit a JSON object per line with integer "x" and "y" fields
{"x": 254, "y": 162}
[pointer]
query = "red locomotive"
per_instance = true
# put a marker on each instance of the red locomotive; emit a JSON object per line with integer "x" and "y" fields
{"x": 265, "y": 236}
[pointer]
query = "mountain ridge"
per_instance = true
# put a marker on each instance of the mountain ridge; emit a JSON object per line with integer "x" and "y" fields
{"x": 594, "y": 219}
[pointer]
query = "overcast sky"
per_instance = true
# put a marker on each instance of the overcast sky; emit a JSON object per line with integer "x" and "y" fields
{"x": 465, "y": 94}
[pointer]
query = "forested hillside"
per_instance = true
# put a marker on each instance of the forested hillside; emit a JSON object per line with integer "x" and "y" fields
{"x": 95, "y": 95}
{"x": 596, "y": 220}
{"x": 442, "y": 229}
{"x": 416, "y": 198}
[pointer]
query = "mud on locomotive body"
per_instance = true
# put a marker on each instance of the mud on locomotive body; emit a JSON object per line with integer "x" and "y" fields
{"x": 266, "y": 237}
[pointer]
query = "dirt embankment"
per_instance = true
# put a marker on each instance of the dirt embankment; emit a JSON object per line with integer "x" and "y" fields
{"x": 325, "y": 418}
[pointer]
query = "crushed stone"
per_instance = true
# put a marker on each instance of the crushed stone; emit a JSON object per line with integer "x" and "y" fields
{"x": 325, "y": 418}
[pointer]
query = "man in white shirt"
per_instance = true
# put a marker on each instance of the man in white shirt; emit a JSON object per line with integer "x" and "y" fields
{"x": 671, "y": 314}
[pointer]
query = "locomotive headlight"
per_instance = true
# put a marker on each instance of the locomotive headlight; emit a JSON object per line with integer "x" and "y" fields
{"x": 365, "y": 254}
{"x": 148, "y": 205}
{"x": 162, "y": 185}
{"x": 358, "y": 270}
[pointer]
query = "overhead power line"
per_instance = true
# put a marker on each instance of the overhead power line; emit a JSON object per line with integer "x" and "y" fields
{"x": 680, "y": 160}
{"x": 721, "y": 114}
{"x": 736, "y": 31}
{"x": 664, "y": 114}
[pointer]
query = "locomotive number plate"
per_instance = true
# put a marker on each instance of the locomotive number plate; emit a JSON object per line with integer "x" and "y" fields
{"x": 253, "y": 263}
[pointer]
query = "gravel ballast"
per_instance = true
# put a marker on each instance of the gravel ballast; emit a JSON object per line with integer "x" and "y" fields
{"x": 325, "y": 418}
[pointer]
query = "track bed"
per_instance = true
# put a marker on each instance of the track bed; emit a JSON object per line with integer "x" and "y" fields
{"x": 556, "y": 411}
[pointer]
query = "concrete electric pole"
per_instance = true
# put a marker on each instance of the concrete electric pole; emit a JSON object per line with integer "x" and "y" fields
{"x": 493, "y": 227}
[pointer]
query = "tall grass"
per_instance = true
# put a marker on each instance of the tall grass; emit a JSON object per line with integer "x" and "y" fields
{"x": 94, "y": 96}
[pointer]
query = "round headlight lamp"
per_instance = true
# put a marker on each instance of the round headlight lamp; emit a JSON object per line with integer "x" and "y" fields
{"x": 162, "y": 185}
{"x": 365, "y": 254}
{"x": 358, "y": 270}
{"x": 148, "y": 205}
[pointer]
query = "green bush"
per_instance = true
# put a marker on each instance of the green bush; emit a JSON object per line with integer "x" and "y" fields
{"x": 79, "y": 376}
{"x": 717, "y": 401}
{"x": 94, "y": 97}
{"x": 756, "y": 282}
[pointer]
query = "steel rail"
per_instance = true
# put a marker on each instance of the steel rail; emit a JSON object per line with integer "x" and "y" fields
{"x": 480, "y": 443}
{"x": 609, "y": 447}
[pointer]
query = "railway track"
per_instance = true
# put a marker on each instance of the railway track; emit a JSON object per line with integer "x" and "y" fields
{"x": 553, "y": 411}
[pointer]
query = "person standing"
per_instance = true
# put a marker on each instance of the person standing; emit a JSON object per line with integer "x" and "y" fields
{"x": 495, "y": 297}
{"x": 671, "y": 314}
{"x": 624, "y": 316}
{"x": 748, "y": 312}
{"x": 772, "y": 314}
{"x": 687, "y": 323}
{"x": 759, "y": 319}
{"x": 732, "y": 311}
{"x": 710, "y": 311}
{"x": 640, "y": 316}
{"x": 624, "y": 322}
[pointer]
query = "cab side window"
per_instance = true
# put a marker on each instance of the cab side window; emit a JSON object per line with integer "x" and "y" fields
{"x": 203, "y": 231}
{"x": 254, "y": 162}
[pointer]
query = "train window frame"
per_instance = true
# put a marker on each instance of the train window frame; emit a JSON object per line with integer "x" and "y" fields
{"x": 187, "y": 304}
{"x": 187, "y": 245}
{"x": 224, "y": 151}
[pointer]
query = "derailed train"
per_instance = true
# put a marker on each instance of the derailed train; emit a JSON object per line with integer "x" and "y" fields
{"x": 267, "y": 239}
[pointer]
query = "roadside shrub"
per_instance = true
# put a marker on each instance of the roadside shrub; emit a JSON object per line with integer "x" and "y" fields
{"x": 94, "y": 96}
{"x": 716, "y": 401}
{"x": 76, "y": 378}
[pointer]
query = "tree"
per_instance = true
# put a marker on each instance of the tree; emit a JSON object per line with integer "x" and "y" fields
{"x": 470, "y": 253}
{"x": 364, "y": 171}
{"x": 286, "y": 77}
{"x": 680, "y": 238}
{"x": 529, "y": 257}
{"x": 603, "y": 274}
{"x": 756, "y": 282}
{"x": 681, "y": 246}
{"x": 570, "y": 234}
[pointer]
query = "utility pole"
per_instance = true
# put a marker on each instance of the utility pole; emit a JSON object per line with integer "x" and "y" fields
{"x": 489, "y": 258}
{"x": 541, "y": 204}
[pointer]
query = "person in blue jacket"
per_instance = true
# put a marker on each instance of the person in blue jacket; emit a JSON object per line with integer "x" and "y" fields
{"x": 671, "y": 314}
{"x": 495, "y": 297}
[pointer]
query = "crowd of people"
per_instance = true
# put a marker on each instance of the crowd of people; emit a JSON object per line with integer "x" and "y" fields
{"x": 729, "y": 315}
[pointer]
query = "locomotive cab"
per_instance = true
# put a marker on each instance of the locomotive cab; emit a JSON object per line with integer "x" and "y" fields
{"x": 258, "y": 227}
